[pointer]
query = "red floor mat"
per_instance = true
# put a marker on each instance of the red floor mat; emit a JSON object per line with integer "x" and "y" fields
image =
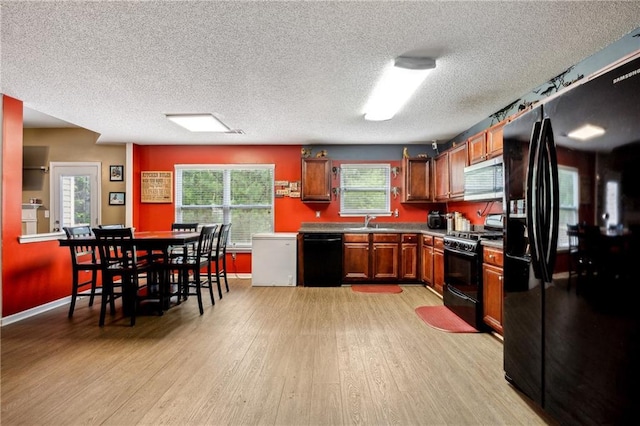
{"x": 441, "y": 318}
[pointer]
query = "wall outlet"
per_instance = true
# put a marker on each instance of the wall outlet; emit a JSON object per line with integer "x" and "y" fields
{"x": 233, "y": 256}
{"x": 395, "y": 213}
{"x": 317, "y": 213}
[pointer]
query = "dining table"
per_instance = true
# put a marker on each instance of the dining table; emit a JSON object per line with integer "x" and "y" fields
{"x": 155, "y": 247}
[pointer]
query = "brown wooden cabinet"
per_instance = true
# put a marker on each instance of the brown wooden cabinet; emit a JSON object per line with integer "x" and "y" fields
{"x": 385, "y": 257}
{"x": 477, "y": 147}
{"x": 417, "y": 180}
{"x": 427, "y": 260}
{"x": 448, "y": 173}
{"x": 316, "y": 180}
{"x": 355, "y": 257}
{"x": 492, "y": 281}
{"x": 438, "y": 264}
{"x": 487, "y": 144}
{"x": 409, "y": 256}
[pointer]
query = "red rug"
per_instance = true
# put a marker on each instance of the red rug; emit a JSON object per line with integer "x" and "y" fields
{"x": 441, "y": 318}
{"x": 379, "y": 288}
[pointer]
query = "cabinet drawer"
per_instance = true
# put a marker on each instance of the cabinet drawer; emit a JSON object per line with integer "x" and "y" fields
{"x": 409, "y": 238}
{"x": 438, "y": 243}
{"x": 386, "y": 238}
{"x": 492, "y": 256}
{"x": 356, "y": 238}
{"x": 427, "y": 240}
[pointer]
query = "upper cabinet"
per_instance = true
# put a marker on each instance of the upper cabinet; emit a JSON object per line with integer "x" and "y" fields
{"x": 316, "y": 180}
{"x": 449, "y": 173}
{"x": 486, "y": 144}
{"x": 417, "y": 180}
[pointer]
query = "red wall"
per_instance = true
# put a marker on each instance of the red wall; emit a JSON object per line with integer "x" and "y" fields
{"x": 290, "y": 213}
{"x": 36, "y": 273}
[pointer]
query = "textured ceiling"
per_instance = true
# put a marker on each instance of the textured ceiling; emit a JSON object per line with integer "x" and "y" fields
{"x": 289, "y": 72}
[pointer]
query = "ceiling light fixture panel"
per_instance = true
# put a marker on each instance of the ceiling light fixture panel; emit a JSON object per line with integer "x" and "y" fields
{"x": 199, "y": 122}
{"x": 398, "y": 83}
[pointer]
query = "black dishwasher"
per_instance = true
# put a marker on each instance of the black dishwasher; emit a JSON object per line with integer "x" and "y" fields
{"x": 322, "y": 260}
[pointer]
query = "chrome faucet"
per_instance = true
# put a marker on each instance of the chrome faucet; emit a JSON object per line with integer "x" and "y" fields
{"x": 368, "y": 218}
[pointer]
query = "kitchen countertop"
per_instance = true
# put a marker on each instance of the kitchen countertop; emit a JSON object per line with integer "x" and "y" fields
{"x": 493, "y": 243}
{"x": 357, "y": 227}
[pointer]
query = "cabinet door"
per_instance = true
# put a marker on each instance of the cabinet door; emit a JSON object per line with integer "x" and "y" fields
{"x": 438, "y": 264}
{"x": 409, "y": 256}
{"x": 492, "y": 296}
{"x": 494, "y": 139}
{"x": 385, "y": 261}
{"x": 417, "y": 179}
{"x": 477, "y": 147}
{"x": 457, "y": 163}
{"x": 316, "y": 180}
{"x": 355, "y": 261}
{"x": 441, "y": 177}
{"x": 427, "y": 264}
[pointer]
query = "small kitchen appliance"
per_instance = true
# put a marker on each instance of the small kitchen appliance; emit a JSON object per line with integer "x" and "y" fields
{"x": 436, "y": 220}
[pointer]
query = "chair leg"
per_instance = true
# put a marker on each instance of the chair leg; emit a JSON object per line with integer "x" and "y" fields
{"x": 210, "y": 283}
{"x": 224, "y": 271}
{"x": 74, "y": 293}
{"x": 218, "y": 277}
{"x": 107, "y": 296}
{"x": 196, "y": 279}
{"x": 94, "y": 282}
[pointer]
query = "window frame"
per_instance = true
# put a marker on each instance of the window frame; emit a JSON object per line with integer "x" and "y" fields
{"x": 227, "y": 207}
{"x": 345, "y": 189}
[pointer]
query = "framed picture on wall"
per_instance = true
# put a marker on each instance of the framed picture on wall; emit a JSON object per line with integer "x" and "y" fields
{"x": 116, "y": 198}
{"x": 116, "y": 173}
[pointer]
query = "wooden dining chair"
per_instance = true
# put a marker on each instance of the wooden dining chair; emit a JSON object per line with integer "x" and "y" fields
{"x": 121, "y": 271}
{"x": 219, "y": 257}
{"x": 190, "y": 265}
{"x": 84, "y": 260}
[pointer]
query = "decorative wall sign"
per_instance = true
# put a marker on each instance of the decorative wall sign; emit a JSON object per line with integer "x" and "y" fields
{"x": 157, "y": 187}
{"x": 116, "y": 173}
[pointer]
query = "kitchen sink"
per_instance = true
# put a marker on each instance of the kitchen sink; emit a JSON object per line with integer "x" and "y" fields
{"x": 368, "y": 229}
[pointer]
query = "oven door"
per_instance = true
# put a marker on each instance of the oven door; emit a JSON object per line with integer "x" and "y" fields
{"x": 462, "y": 272}
{"x": 462, "y": 290}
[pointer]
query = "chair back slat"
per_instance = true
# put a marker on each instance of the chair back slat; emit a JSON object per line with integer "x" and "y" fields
{"x": 117, "y": 250}
{"x": 79, "y": 250}
{"x": 193, "y": 227}
{"x": 206, "y": 243}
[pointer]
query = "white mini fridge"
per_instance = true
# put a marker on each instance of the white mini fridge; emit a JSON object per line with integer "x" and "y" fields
{"x": 273, "y": 259}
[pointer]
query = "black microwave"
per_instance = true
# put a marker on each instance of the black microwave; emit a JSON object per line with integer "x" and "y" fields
{"x": 484, "y": 180}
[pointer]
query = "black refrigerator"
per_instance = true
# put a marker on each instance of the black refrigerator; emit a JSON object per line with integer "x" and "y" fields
{"x": 573, "y": 345}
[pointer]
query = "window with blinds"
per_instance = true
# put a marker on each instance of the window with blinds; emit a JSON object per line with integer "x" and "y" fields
{"x": 365, "y": 189}
{"x": 569, "y": 190}
{"x": 239, "y": 194}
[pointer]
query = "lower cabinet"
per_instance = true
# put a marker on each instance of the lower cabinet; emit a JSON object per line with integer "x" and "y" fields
{"x": 492, "y": 282}
{"x": 380, "y": 257}
{"x": 385, "y": 257}
{"x": 355, "y": 258}
{"x": 427, "y": 260}
{"x": 438, "y": 264}
{"x": 409, "y": 256}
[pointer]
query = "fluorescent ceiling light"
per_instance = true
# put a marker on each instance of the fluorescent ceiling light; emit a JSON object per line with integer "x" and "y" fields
{"x": 398, "y": 82}
{"x": 199, "y": 122}
{"x": 586, "y": 132}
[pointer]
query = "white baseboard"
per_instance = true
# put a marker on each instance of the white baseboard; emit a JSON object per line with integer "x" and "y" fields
{"x": 34, "y": 311}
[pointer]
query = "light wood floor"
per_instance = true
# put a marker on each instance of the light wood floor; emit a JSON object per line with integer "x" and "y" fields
{"x": 261, "y": 356}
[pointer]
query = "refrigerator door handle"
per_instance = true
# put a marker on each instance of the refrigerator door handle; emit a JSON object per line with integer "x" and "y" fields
{"x": 531, "y": 199}
{"x": 549, "y": 199}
